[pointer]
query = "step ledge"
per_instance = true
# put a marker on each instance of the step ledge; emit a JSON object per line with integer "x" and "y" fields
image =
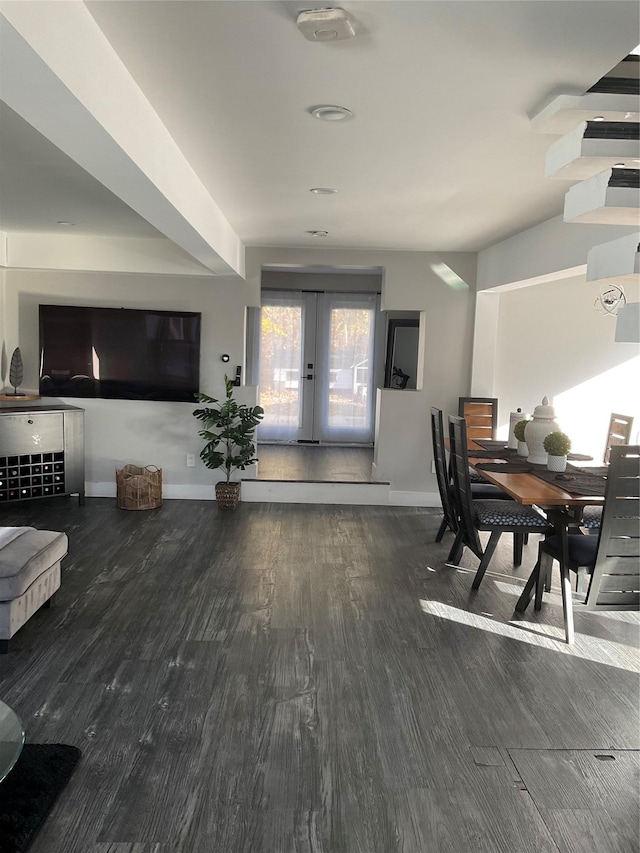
{"x": 359, "y": 494}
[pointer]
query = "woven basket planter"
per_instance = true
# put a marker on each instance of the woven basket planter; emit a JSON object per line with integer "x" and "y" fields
{"x": 139, "y": 488}
{"x": 227, "y": 495}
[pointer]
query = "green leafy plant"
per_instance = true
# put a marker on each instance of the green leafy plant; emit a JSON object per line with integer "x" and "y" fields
{"x": 557, "y": 444}
{"x": 229, "y": 431}
{"x": 518, "y": 429}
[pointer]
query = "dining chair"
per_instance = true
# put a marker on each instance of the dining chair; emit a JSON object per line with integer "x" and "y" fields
{"x": 619, "y": 432}
{"x": 481, "y": 415}
{"x": 612, "y": 558}
{"x": 444, "y": 478}
{"x": 449, "y": 518}
{"x": 495, "y": 516}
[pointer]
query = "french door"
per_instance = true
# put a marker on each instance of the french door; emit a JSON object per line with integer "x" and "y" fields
{"x": 316, "y": 373}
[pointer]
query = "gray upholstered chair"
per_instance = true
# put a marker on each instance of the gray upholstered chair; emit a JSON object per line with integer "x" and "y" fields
{"x": 29, "y": 575}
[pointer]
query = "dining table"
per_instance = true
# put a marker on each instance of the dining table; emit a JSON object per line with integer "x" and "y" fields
{"x": 526, "y": 487}
{"x": 533, "y": 485}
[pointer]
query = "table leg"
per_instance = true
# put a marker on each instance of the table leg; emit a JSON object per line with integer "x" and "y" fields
{"x": 567, "y": 605}
{"x": 527, "y": 592}
{"x": 543, "y": 581}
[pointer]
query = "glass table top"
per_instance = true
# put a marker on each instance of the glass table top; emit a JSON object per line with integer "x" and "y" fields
{"x": 11, "y": 739}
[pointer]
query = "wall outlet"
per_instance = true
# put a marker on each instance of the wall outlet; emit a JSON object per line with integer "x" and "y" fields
{"x": 191, "y": 460}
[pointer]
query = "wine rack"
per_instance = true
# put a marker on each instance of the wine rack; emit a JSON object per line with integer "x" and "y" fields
{"x": 35, "y": 475}
{"x": 41, "y": 452}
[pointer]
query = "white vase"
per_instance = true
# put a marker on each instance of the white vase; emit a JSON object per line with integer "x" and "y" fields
{"x": 538, "y": 429}
{"x": 523, "y": 450}
{"x": 556, "y": 463}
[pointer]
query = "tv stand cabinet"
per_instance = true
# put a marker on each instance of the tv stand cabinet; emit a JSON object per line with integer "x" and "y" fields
{"x": 41, "y": 452}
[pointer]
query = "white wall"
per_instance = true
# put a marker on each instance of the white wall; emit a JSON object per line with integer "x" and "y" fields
{"x": 551, "y": 341}
{"x": 103, "y": 254}
{"x": 3, "y": 329}
{"x": 121, "y": 431}
{"x": 163, "y": 433}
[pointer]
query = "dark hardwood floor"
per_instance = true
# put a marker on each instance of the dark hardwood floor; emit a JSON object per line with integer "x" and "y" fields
{"x": 295, "y": 678}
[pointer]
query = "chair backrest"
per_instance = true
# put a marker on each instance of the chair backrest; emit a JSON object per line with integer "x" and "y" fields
{"x": 481, "y": 415}
{"x": 615, "y": 581}
{"x": 442, "y": 474}
{"x": 462, "y": 483}
{"x": 619, "y": 433}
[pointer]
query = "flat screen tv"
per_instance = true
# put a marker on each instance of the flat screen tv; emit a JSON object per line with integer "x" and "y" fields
{"x": 119, "y": 353}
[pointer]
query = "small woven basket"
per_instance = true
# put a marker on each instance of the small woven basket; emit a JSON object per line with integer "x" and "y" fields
{"x": 227, "y": 495}
{"x": 139, "y": 488}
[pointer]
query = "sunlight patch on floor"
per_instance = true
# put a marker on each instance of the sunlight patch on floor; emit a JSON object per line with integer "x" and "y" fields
{"x": 585, "y": 647}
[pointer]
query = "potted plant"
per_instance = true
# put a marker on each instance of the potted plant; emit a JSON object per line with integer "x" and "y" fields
{"x": 229, "y": 431}
{"x": 557, "y": 444}
{"x": 518, "y": 431}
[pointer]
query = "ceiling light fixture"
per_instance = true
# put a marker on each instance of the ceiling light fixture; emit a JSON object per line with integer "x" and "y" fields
{"x": 619, "y": 166}
{"x": 610, "y": 300}
{"x": 322, "y": 190}
{"x": 330, "y": 112}
{"x": 318, "y": 233}
{"x": 598, "y": 118}
{"x": 64, "y": 222}
{"x": 325, "y": 24}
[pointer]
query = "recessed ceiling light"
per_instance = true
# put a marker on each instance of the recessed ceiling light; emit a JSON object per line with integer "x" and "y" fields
{"x": 318, "y": 233}
{"x": 64, "y": 222}
{"x": 619, "y": 166}
{"x": 330, "y": 112}
{"x": 323, "y": 190}
{"x": 598, "y": 118}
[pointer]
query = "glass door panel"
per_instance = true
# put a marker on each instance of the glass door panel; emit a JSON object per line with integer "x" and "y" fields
{"x": 345, "y": 386}
{"x": 287, "y": 331}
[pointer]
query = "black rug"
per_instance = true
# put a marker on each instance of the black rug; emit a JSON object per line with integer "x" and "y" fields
{"x": 29, "y": 792}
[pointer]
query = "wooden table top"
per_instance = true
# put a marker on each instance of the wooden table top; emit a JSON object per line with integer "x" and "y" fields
{"x": 529, "y": 489}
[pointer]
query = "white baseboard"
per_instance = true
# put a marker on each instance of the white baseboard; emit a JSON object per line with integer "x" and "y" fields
{"x": 169, "y": 492}
{"x": 278, "y": 491}
{"x": 414, "y": 499}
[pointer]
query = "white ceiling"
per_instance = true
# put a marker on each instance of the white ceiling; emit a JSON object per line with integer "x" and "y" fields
{"x": 440, "y": 155}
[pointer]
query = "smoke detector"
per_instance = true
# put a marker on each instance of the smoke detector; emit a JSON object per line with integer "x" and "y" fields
{"x": 325, "y": 24}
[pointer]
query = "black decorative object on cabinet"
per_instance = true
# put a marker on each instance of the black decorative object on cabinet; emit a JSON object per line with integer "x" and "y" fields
{"x": 16, "y": 372}
{"x": 41, "y": 452}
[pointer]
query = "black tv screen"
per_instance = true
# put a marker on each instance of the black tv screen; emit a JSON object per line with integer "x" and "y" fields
{"x": 119, "y": 353}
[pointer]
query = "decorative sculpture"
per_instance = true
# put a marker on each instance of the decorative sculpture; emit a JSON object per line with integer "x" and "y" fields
{"x": 16, "y": 373}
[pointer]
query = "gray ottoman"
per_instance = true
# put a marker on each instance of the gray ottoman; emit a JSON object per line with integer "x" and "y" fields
{"x": 29, "y": 575}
